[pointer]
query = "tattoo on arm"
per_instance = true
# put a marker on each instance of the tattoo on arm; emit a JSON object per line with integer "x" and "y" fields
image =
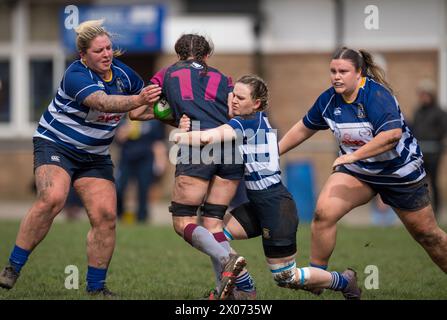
{"x": 101, "y": 101}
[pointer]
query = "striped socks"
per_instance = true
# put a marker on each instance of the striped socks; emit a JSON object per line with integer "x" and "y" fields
{"x": 245, "y": 282}
{"x": 338, "y": 282}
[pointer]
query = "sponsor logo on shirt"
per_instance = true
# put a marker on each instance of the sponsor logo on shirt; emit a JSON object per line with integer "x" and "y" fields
{"x": 107, "y": 117}
{"x": 348, "y": 141}
{"x": 55, "y": 158}
{"x": 337, "y": 111}
{"x": 100, "y": 84}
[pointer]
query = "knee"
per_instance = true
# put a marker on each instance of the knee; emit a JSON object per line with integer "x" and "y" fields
{"x": 182, "y": 215}
{"x": 322, "y": 217}
{"x": 212, "y": 216}
{"x": 179, "y": 226}
{"x": 103, "y": 218}
{"x": 216, "y": 211}
{"x": 212, "y": 225}
{"x": 51, "y": 202}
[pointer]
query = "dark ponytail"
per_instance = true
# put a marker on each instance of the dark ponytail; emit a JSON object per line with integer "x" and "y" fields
{"x": 373, "y": 70}
{"x": 195, "y": 46}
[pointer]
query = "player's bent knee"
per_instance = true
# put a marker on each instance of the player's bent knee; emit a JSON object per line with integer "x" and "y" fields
{"x": 318, "y": 215}
{"x": 178, "y": 227}
{"x": 180, "y": 210}
{"x": 51, "y": 202}
{"x": 322, "y": 218}
{"x": 215, "y": 211}
{"x": 103, "y": 220}
{"x": 248, "y": 221}
{"x": 183, "y": 210}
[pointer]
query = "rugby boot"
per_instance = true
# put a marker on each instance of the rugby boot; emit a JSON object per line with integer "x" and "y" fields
{"x": 237, "y": 294}
{"x": 8, "y": 277}
{"x": 352, "y": 290}
{"x": 230, "y": 271}
{"x": 105, "y": 292}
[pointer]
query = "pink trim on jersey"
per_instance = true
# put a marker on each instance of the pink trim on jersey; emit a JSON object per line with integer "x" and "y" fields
{"x": 158, "y": 77}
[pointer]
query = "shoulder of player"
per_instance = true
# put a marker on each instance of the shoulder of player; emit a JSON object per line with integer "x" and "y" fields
{"x": 122, "y": 68}
{"x": 375, "y": 90}
{"x": 250, "y": 122}
{"x": 77, "y": 66}
{"x": 217, "y": 71}
{"x": 326, "y": 96}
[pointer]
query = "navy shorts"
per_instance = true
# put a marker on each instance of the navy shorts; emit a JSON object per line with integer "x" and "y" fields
{"x": 271, "y": 213}
{"x": 77, "y": 164}
{"x": 192, "y": 162}
{"x": 409, "y": 197}
{"x": 207, "y": 171}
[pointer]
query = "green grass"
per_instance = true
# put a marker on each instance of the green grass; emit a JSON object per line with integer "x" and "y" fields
{"x": 154, "y": 263}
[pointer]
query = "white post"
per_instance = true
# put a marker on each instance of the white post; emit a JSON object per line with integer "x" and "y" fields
{"x": 20, "y": 69}
{"x": 442, "y": 56}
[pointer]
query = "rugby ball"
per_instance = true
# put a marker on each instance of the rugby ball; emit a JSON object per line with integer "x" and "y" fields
{"x": 162, "y": 110}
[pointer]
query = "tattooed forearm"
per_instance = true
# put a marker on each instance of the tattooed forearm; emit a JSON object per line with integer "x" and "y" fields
{"x": 101, "y": 101}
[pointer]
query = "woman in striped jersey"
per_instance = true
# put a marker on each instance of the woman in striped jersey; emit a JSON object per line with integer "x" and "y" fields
{"x": 271, "y": 211}
{"x": 377, "y": 154}
{"x": 71, "y": 146}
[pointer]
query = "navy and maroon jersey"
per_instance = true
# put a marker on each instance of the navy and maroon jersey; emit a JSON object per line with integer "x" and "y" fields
{"x": 188, "y": 90}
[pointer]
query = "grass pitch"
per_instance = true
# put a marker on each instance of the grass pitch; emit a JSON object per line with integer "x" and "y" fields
{"x": 152, "y": 262}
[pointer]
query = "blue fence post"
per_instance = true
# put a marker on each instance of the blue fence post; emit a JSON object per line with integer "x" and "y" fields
{"x": 300, "y": 182}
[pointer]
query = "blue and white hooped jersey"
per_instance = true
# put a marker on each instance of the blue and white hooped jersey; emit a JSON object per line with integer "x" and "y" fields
{"x": 70, "y": 123}
{"x": 354, "y": 124}
{"x": 259, "y": 149}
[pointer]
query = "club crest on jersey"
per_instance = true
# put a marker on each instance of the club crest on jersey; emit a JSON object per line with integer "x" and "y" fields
{"x": 196, "y": 65}
{"x": 337, "y": 111}
{"x": 120, "y": 85}
{"x": 361, "y": 111}
{"x": 100, "y": 84}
